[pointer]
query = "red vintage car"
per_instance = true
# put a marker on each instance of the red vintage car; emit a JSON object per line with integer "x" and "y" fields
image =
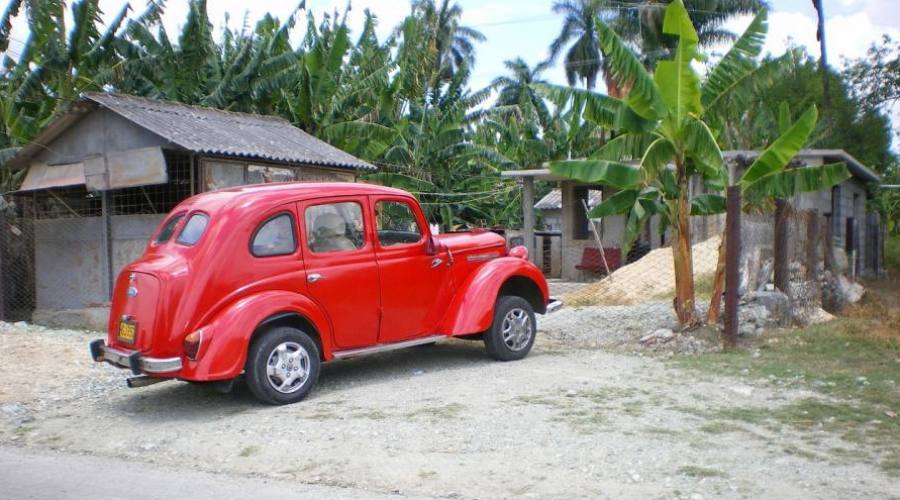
{"x": 270, "y": 281}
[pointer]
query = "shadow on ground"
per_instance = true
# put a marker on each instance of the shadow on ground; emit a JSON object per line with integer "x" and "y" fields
{"x": 180, "y": 401}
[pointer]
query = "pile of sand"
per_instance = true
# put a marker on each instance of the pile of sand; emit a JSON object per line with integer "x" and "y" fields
{"x": 651, "y": 277}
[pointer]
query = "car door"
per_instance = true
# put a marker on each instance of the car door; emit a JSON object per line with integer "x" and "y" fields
{"x": 341, "y": 272}
{"x": 413, "y": 283}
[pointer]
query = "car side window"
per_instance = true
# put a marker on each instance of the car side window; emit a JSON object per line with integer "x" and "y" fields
{"x": 193, "y": 229}
{"x": 169, "y": 228}
{"x": 275, "y": 237}
{"x": 334, "y": 227}
{"x": 397, "y": 225}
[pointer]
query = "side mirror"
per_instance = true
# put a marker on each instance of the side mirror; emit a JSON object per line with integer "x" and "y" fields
{"x": 430, "y": 246}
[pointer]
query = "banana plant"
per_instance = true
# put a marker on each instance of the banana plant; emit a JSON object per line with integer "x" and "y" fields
{"x": 769, "y": 176}
{"x": 662, "y": 131}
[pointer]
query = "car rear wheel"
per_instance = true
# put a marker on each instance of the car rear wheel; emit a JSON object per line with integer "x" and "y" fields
{"x": 282, "y": 366}
{"x": 513, "y": 330}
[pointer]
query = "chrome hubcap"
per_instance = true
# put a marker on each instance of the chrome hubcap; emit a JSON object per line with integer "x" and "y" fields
{"x": 288, "y": 367}
{"x": 517, "y": 329}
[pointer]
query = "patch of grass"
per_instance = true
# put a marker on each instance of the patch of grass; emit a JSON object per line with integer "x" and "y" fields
{"x": 696, "y": 471}
{"x": 892, "y": 253}
{"x": 439, "y": 412}
{"x": 891, "y": 464}
{"x": 719, "y": 427}
{"x": 852, "y": 362}
{"x": 586, "y": 411}
{"x": 800, "y": 452}
{"x": 371, "y": 414}
{"x": 249, "y": 450}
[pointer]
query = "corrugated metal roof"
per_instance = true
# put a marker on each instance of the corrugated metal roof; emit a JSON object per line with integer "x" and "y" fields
{"x": 553, "y": 200}
{"x": 217, "y": 132}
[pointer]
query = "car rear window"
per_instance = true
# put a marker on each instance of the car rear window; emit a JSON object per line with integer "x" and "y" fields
{"x": 193, "y": 229}
{"x": 275, "y": 237}
{"x": 169, "y": 229}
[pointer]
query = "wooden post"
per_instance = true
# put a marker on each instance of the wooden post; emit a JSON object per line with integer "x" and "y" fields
{"x": 828, "y": 244}
{"x": 812, "y": 245}
{"x": 732, "y": 264}
{"x": 528, "y": 220}
{"x": 4, "y": 230}
{"x": 782, "y": 268}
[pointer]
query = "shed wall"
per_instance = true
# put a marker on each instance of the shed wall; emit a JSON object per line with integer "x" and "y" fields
{"x": 97, "y": 133}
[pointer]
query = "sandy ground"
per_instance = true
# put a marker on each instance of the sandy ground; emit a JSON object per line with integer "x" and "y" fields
{"x": 440, "y": 421}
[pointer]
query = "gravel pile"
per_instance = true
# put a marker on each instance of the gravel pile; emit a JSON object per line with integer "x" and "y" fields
{"x": 594, "y": 327}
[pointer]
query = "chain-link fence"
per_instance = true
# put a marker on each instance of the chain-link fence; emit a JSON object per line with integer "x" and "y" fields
{"x": 61, "y": 248}
{"x": 813, "y": 257}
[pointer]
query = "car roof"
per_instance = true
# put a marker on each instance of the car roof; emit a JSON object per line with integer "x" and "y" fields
{"x": 259, "y": 196}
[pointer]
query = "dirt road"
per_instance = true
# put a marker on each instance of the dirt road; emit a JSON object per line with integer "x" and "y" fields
{"x": 442, "y": 421}
{"x": 30, "y": 475}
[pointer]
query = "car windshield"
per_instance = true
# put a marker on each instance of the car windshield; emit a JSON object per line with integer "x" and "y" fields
{"x": 193, "y": 229}
{"x": 169, "y": 229}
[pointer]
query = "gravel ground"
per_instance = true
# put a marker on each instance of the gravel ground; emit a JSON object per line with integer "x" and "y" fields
{"x": 444, "y": 421}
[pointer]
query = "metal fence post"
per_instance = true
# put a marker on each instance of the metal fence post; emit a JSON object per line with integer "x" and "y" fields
{"x": 732, "y": 264}
{"x": 782, "y": 269}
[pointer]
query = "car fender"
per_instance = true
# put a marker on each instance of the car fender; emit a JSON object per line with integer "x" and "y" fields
{"x": 223, "y": 350}
{"x": 472, "y": 308}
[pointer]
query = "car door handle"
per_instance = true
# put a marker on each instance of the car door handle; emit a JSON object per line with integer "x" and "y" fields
{"x": 312, "y": 278}
{"x": 436, "y": 262}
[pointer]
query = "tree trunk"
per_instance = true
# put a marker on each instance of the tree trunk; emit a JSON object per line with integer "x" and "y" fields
{"x": 715, "y": 302}
{"x": 681, "y": 251}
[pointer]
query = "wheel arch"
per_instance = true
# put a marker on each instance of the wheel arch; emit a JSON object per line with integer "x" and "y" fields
{"x": 472, "y": 308}
{"x": 233, "y": 329}
{"x": 291, "y": 319}
{"x": 520, "y": 286}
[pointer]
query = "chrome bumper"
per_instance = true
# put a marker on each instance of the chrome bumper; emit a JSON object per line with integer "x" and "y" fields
{"x": 132, "y": 360}
{"x": 554, "y": 305}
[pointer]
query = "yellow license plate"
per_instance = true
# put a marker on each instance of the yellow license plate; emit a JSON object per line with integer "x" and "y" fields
{"x": 127, "y": 331}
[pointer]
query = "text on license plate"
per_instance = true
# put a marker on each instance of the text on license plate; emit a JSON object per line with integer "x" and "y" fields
{"x": 127, "y": 331}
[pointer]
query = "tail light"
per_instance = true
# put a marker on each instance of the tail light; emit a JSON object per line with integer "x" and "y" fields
{"x": 192, "y": 343}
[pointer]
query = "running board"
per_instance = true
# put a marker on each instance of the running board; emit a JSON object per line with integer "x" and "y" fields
{"x": 375, "y": 349}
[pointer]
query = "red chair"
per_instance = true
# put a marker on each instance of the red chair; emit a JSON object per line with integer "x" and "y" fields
{"x": 592, "y": 260}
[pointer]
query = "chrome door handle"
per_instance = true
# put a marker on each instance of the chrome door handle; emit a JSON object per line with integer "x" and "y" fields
{"x": 312, "y": 278}
{"x": 436, "y": 262}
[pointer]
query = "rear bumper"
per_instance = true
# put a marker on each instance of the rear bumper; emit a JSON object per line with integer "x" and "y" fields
{"x": 554, "y": 305}
{"x": 132, "y": 359}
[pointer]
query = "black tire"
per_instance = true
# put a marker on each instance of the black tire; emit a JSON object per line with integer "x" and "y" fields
{"x": 264, "y": 347}
{"x": 516, "y": 346}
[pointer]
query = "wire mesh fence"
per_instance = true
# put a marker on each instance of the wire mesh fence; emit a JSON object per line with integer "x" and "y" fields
{"x": 814, "y": 257}
{"x": 61, "y": 248}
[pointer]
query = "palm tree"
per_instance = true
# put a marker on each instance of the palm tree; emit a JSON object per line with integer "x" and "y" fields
{"x": 640, "y": 24}
{"x": 516, "y": 90}
{"x": 583, "y": 60}
{"x": 451, "y": 43}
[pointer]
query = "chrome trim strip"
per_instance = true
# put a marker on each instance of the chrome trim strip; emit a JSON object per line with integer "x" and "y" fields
{"x": 148, "y": 365}
{"x": 365, "y": 351}
{"x": 554, "y": 305}
{"x": 481, "y": 257}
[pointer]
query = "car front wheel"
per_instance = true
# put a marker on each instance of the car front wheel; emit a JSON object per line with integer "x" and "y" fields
{"x": 282, "y": 366}
{"x": 513, "y": 330}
